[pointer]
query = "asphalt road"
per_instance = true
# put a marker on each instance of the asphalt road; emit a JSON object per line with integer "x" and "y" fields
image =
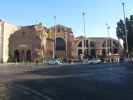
{"x": 66, "y": 82}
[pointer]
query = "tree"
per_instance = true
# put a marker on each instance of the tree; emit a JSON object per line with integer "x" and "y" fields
{"x": 120, "y": 31}
{"x": 130, "y": 33}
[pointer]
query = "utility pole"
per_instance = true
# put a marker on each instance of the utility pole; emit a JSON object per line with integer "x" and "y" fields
{"x": 125, "y": 28}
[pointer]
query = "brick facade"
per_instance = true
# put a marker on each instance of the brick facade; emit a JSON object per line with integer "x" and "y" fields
{"x": 67, "y": 36}
{"x": 97, "y": 46}
{"x": 29, "y": 38}
{"x": 38, "y": 41}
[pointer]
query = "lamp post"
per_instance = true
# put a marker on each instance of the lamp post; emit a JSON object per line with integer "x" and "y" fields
{"x": 66, "y": 37}
{"x": 125, "y": 27}
{"x": 84, "y": 31}
{"x": 109, "y": 40}
{"x": 54, "y": 40}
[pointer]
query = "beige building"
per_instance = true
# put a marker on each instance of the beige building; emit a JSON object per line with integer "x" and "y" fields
{"x": 6, "y": 30}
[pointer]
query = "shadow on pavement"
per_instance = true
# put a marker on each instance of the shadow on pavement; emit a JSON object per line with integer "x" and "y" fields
{"x": 67, "y": 89}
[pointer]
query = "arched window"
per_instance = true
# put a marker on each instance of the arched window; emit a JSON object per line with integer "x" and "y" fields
{"x": 79, "y": 51}
{"x": 28, "y": 55}
{"x": 104, "y": 44}
{"x": 92, "y": 44}
{"x": 80, "y": 44}
{"x": 16, "y": 56}
{"x": 60, "y": 44}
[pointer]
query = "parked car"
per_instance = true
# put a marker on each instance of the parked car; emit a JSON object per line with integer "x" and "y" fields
{"x": 94, "y": 61}
{"x": 54, "y": 62}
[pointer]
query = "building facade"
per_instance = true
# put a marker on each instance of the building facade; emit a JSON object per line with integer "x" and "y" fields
{"x": 38, "y": 43}
{"x": 97, "y": 47}
{"x": 6, "y": 30}
{"x": 28, "y": 44}
{"x": 64, "y": 41}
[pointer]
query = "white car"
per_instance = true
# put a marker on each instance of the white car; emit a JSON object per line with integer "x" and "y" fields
{"x": 94, "y": 61}
{"x": 54, "y": 62}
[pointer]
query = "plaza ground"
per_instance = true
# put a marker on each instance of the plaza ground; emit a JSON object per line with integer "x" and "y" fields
{"x": 66, "y": 82}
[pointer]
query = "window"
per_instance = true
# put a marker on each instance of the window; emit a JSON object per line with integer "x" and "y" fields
{"x": 115, "y": 44}
{"x": 60, "y": 44}
{"x": 104, "y": 44}
{"x": 80, "y": 44}
{"x": 92, "y": 43}
{"x": 115, "y": 51}
{"x": 79, "y": 51}
{"x": 93, "y": 52}
{"x": 87, "y": 43}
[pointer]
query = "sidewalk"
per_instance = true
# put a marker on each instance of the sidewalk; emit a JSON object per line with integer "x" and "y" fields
{"x": 23, "y": 67}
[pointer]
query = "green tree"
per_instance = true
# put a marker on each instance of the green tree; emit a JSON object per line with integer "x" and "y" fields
{"x": 120, "y": 31}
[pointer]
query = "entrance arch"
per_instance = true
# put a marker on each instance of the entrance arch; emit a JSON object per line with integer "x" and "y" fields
{"x": 22, "y": 55}
{"x": 60, "y": 44}
{"x": 28, "y": 55}
{"x": 16, "y": 55}
{"x": 60, "y": 47}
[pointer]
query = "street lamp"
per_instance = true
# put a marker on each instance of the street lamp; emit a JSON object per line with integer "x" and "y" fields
{"x": 109, "y": 40}
{"x": 125, "y": 28}
{"x": 66, "y": 37}
{"x": 54, "y": 40}
{"x": 84, "y": 31}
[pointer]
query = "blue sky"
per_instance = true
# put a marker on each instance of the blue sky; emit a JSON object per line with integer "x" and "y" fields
{"x": 68, "y": 12}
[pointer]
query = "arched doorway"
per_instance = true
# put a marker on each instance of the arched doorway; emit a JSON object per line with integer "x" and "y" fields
{"x": 60, "y": 47}
{"x": 60, "y": 44}
{"x": 16, "y": 55}
{"x": 22, "y": 55}
{"x": 93, "y": 53}
{"x": 28, "y": 55}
